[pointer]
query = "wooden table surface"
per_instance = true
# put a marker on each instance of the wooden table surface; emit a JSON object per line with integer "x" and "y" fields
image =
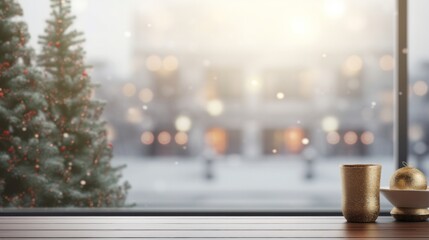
{"x": 205, "y": 228}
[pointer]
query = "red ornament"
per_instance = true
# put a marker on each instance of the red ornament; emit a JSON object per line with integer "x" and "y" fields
{"x": 57, "y": 44}
{"x": 84, "y": 73}
{"x": 25, "y": 71}
{"x": 62, "y": 148}
{"x": 110, "y": 145}
{"x": 6, "y": 133}
{"x": 11, "y": 149}
{"x": 1, "y": 94}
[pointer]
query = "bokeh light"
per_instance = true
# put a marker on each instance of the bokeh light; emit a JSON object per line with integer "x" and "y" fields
{"x": 367, "y": 138}
{"x": 134, "y": 115}
{"x": 181, "y": 138}
{"x": 146, "y": 95}
{"x": 147, "y": 138}
{"x": 214, "y": 107}
{"x": 164, "y": 138}
{"x": 129, "y": 90}
{"x": 330, "y": 123}
{"x": 170, "y": 63}
{"x": 420, "y": 88}
{"x": 183, "y": 123}
{"x": 350, "y": 138}
{"x": 333, "y": 138}
{"x": 154, "y": 63}
{"x": 352, "y": 65}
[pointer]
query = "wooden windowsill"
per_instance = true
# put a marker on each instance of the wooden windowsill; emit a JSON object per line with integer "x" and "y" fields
{"x": 206, "y": 227}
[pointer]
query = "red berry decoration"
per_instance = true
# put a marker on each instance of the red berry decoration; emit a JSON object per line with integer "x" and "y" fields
{"x": 62, "y": 148}
{"x": 25, "y": 71}
{"x": 11, "y": 150}
{"x": 84, "y": 73}
{"x": 1, "y": 94}
{"x": 6, "y": 133}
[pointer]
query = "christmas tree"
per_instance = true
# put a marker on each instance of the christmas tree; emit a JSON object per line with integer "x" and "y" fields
{"x": 30, "y": 165}
{"x": 90, "y": 180}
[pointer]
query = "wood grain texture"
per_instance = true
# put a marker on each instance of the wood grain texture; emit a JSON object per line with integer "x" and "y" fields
{"x": 205, "y": 228}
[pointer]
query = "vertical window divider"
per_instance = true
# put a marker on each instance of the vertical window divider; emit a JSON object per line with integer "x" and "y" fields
{"x": 401, "y": 85}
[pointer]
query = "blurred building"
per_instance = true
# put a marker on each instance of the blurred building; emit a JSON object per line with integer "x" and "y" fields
{"x": 258, "y": 80}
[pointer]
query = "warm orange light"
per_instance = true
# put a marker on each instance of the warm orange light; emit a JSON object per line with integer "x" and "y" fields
{"x": 367, "y": 138}
{"x": 333, "y": 138}
{"x": 181, "y": 138}
{"x": 216, "y": 138}
{"x": 164, "y": 138}
{"x": 293, "y": 139}
{"x": 350, "y": 138}
{"x": 147, "y": 138}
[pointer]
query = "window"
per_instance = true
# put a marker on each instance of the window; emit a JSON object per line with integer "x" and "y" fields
{"x": 246, "y": 105}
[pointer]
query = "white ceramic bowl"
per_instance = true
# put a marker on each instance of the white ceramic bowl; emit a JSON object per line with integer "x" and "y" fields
{"x": 407, "y": 198}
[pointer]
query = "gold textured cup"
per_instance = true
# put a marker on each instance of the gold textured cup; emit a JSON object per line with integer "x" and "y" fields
{"x": 360, "y": 192}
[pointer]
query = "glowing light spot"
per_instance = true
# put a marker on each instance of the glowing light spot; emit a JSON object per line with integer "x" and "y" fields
{"x": 293, "y": 139}
{"x": 129, "y": 90}
{"x": 333, "y": 138}
{"x": 181, "y": 138}
{"x": 305, "y": 141}
{"x": 420, "y": 88}
{"x": 280, "y": 95}
{"x": 217, "y": 139}
{"x": 147, "y": 138}
{"x": 274, "y": 151}
{"x": 352, "y": 65}
{"x": 146, "y": 95}
{"x": 350, "y": 138}
{"x": 253, "y": 84}
{"x": 65, "y": 135}
{"x": 153, "y": 63}
{"x": 330, "y": 123}
{"x": 386, "y": 63}
{"x": 183, "y": 123}
{"x": 134, "y": 115}
{"x": 214, "y": 107}
{"x": 82, "y": 182}
{"x": 367, "y": 138}
{"x": 164, "y": 138}
{"x": 170, "y": 63}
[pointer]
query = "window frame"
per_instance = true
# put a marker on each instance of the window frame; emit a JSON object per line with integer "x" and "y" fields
{"x": 400, "y": 140}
